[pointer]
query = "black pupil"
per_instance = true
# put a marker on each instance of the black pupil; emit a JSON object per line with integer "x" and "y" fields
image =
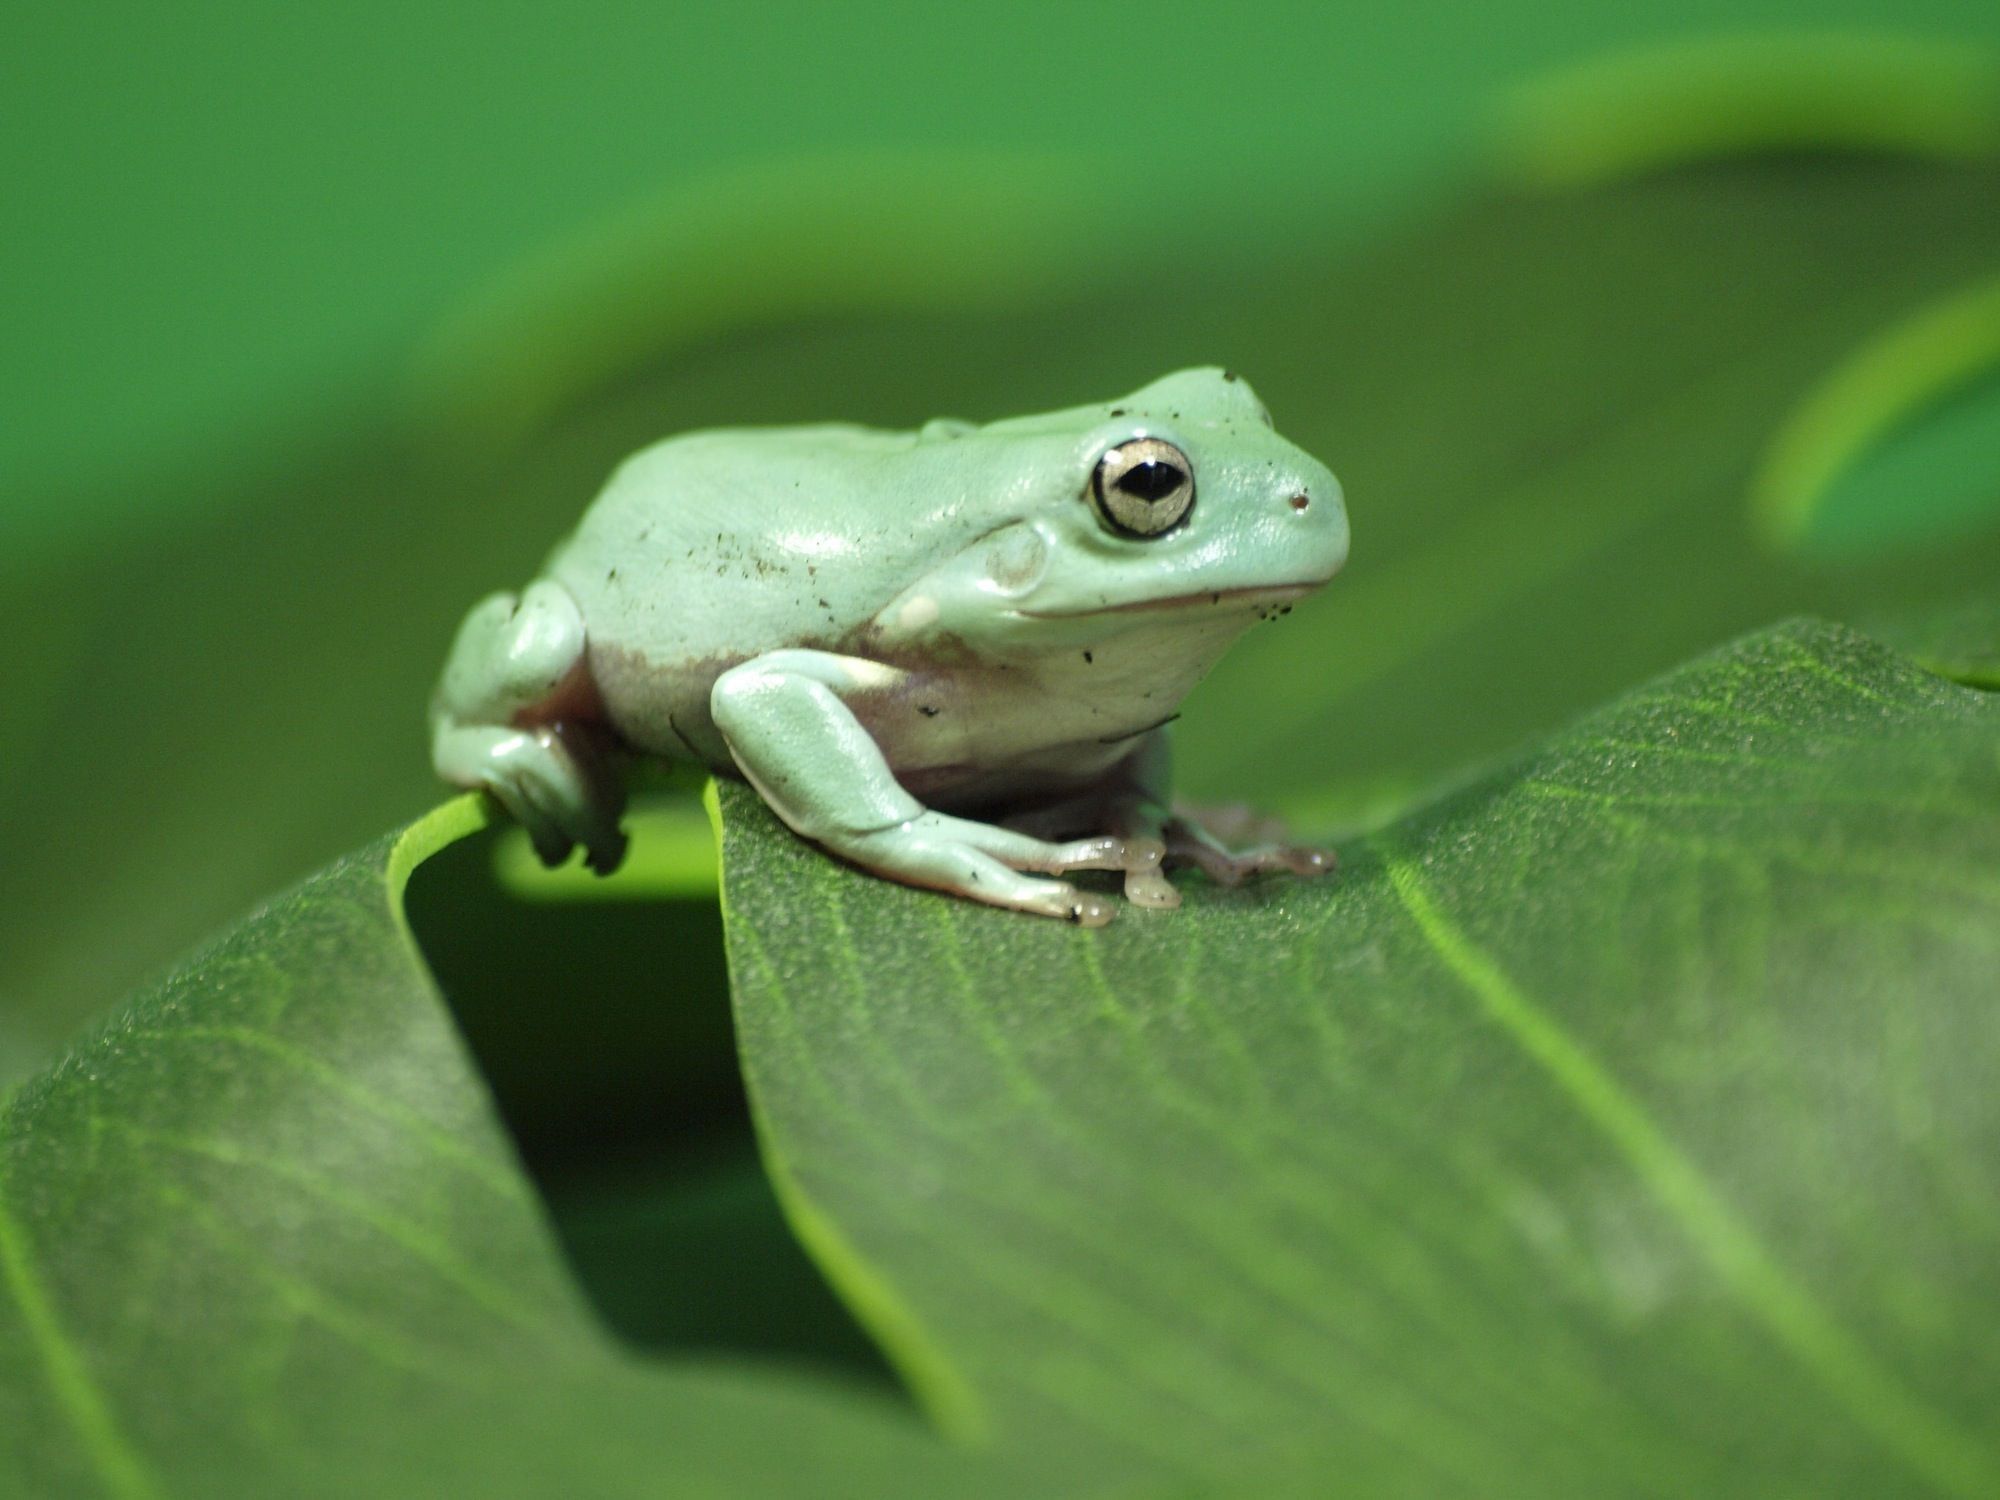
{"x": 1150, "y": 480}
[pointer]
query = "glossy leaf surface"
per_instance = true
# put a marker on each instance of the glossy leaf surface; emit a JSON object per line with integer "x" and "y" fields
{"x": 264, "y": 1236}
{"x": 1623, "y": 1124}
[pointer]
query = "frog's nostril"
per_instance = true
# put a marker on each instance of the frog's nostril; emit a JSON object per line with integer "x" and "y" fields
{"x": 1301, "y": 500}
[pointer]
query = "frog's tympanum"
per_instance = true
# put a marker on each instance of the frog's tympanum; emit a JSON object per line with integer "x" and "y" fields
{"x": 947, "y": 656}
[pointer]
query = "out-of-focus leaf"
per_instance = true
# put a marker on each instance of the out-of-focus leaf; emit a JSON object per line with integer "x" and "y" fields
{"x": 1936, "y": 479}
{"x": 1700, "y": 99}
{"x": 1895, "y": 449}
{"x": 1622, "y": 1125}
{"x": 263, "y": 1236}
{"x": 1960, "y": 641}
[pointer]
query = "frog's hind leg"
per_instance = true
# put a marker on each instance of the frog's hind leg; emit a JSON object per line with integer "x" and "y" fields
{"x": 1134, "y": 803}
{"x": 1192, "y": 839}
{"x": 516, "y": 713}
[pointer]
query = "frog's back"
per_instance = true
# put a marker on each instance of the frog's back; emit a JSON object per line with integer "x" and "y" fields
{"x": 721, "y": 540}
{"x": 710, "y": 548}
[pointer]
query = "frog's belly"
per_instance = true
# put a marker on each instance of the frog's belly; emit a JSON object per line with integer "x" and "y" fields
{"x": 993, "y": 735}
{"x": 954, "y": 737}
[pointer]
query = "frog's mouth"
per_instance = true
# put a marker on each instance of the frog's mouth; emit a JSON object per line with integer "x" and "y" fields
{"x": 1250, "y": 596}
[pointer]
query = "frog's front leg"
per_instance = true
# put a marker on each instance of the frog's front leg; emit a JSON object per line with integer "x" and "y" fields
{"x": 801, "y": 746}
{"x": 513, "y": 714}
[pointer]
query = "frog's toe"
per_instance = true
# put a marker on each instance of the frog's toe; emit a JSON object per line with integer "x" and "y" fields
{"x": 605, "y": 852}
{"x": 948, "y": 854}
{"x": 1302, "y": 859}
{"x": 561, "y": 798}
{"x": 1150, "y": 888}
{"x": 1048, "y": 898}
{"x": 545, "y": 831}
{"x": 1189, "y": 843}
{"x": 1103, "y": 853}
{"x": 1138, "y": 857}
{"x": 1020, "y": 851}
{"x": 542, "y": 805}
{"x": 1087, "y": 910}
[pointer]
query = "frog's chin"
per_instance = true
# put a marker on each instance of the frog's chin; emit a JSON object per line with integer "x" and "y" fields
{"x": 1252, "y": 596}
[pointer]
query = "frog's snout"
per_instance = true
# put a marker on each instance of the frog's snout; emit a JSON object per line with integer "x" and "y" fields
{"x": 1315, "y": 513}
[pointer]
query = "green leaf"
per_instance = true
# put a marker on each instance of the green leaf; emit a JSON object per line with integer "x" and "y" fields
{"x": 1895, "y": 449}
{"x": 1622, "y": 114}
{"x": 1960, "y": 641}
{"x": 264, "y": 1236}
{"x": 1621, "y": 1124}
{"x": 1624, "y": 1124}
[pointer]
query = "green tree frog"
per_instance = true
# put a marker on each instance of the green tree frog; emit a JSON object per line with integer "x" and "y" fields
{"x": 948, "y": 656}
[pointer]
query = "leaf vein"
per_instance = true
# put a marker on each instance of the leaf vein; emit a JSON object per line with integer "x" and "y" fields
{"x": 123, "y": 1472}
{"x": 1927, "y": 1440}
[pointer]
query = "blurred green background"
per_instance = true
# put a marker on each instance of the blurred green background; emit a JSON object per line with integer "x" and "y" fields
{"x": 232, "y": 223}
{"x": 1628, "y": 329}
{"x": 320, "y": 323}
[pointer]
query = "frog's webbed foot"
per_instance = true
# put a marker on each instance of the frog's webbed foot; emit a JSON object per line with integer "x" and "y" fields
{"x": 1190, "y": 843}
{"x": 498, "y": 723}
{"x": 984, "y": 862}
{"x": 550, "y": 780}
{"x": 1133, "y": 804}
{"x": 819, "y": 770}
{"x": 1135, "y": 832}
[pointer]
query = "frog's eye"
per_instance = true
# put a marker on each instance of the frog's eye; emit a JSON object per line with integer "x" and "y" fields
{"x": 1143, "y": 487}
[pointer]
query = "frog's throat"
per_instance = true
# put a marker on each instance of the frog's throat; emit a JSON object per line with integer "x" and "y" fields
{"x": 1242, "y": 598}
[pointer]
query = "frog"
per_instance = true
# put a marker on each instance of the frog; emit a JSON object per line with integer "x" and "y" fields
{"x": 948, "y": 655}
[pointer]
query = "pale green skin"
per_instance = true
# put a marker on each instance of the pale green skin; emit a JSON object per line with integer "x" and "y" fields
{"x": 852, "y": 620}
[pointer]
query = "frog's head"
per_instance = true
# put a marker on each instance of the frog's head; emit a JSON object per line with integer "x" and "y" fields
{"x": 1177, "y": 503}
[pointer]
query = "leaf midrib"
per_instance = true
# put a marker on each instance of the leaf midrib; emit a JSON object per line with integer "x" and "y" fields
{"x": 1930, "y": 1443}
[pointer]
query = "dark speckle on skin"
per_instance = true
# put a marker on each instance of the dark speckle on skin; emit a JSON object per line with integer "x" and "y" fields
{"x": 1215, "y": 598}
{"x": 927, "y": 710}
{"x": 1229, "y": 375}
{"x": 612, "y": 576}
{"x": 1088, "y": 657}
{"x": 1117, "y": 411}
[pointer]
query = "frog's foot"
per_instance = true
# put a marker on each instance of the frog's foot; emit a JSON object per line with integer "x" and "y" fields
{"x": 985, "y": 863}
{"x": 550, "y": 779}
{"x": 1189, "y": 843}
{"x": 513, "y": 714}
{"x": 1136, "y": 825}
